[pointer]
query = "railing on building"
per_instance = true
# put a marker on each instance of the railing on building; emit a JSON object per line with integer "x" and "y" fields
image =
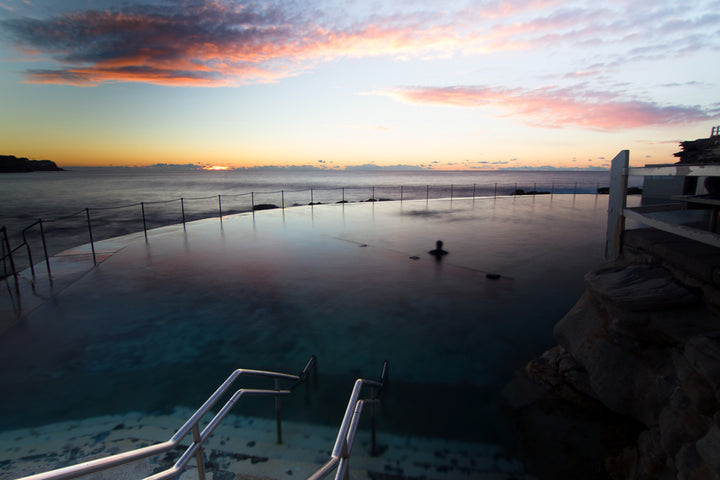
{"x": 618, "y": 210}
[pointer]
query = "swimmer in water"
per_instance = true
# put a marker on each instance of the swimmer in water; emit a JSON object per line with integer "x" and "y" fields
{"x": 438, "y": 252}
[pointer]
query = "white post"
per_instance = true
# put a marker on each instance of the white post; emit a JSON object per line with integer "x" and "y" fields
{"x": 616, "y": 204}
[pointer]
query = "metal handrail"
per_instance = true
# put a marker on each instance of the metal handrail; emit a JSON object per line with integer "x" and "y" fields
{"x": 8, "y": 255}
{"x": 340, "y": 456}
{"x": 191, "y": 425}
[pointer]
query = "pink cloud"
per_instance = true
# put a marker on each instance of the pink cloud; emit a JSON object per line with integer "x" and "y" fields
{"x": 556, "y": 107}
{"x": 210, "y": 44}
{"x": 218, "y": 42}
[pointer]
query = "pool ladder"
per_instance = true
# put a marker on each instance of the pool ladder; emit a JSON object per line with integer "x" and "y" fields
{"x": 339, "y": 457}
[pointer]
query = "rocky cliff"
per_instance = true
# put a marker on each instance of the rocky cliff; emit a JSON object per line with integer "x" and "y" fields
{"x": 12, "y": 164}
{"x": 632, "y": 390}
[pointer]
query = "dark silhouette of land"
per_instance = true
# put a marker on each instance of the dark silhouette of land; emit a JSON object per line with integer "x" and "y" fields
{"x": 13, "y": 164}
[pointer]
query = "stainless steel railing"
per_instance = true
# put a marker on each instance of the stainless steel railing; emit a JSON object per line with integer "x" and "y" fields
{"x": 340, "y": 456}
{"x": 192, "y": 425}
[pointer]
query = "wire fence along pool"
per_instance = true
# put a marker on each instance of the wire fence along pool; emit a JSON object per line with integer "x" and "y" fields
{"x": 47, "y": 237}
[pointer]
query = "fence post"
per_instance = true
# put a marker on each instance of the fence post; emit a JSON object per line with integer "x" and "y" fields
{"x": 373, "y": 451}
{"x": 575, "y": 189}
{"x": 282, "y": 199}
{"x": 427, "y": 193}
{"x": 220, "y": 207}
{"x": 552, "y": 189}
{"x": 199, "y": 454}
{"x": 277, "y": 413}
{"x": 343, "y": 194}
{"x": 452, "y": 191}
{"x": 29, "y": 252}
{"x": 312, "y": 197}
{"x": 9, "y": 254}
{"x": 495, "y": 194}
{"x": 92, "y": 244}
{"x": 616, "y": 204}
{"x": 142, "y": 207}
{"x": 401, "y": 193}
{"x": 252, "y": 200}
{"x": 473, "y": 191}
{"x": 44, "y": 244}
{"x": 182, "y": 209}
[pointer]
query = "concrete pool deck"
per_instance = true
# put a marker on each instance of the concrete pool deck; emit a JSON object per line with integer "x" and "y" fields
{"x": 165, "y": 319}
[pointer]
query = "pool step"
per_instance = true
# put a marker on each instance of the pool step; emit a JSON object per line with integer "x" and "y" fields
{"x": 246, "y": 448}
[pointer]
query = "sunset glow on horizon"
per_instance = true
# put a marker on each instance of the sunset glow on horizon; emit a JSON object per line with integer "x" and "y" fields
{"x": 479, "y": 84}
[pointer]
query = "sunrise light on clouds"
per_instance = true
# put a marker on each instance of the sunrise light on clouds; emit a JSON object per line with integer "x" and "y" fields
{"x": 230, "y": 83}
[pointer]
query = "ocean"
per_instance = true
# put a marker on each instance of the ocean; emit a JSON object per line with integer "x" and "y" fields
{"x": 119, "y": 201}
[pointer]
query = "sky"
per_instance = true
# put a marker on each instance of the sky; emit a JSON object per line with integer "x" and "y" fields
{"x": 461, "y": 85}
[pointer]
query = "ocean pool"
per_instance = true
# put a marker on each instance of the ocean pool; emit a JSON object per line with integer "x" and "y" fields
{"x": 159, "y": 324}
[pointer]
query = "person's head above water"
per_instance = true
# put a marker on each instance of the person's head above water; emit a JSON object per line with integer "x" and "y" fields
{"x": 438, "y": 249}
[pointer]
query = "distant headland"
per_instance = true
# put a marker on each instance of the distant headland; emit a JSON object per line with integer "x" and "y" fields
{"x": 11, "y": 163}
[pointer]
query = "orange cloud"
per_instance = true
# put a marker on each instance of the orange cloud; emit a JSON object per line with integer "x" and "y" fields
{"x": 557, "y": 107}
{"x": 208, "y": 44}
{"x": 223, "y": 42}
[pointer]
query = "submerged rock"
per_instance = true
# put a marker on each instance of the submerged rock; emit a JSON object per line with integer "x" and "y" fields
{"x": 264, "y": 206}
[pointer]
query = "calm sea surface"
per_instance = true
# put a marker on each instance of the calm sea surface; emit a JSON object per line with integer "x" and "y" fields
{"x": 117, "y": 198}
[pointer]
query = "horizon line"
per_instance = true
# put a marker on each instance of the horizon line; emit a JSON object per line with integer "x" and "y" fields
{"x": 349, "y": 168}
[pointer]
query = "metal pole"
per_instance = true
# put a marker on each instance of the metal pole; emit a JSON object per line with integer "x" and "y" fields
{"x": 343, "y": 194}
{"x": 42, "y": 236}
{"x": 401, "y": 193}
{"x": 220, "y": 207}
{"x": 277, "y": 412}
{"x": 312, "y": 198}
{"x": 92, "y": 244}
{"x": 575, "y": 191}
{"x": 252, "y": 200}
{"x": 452, "y": 189}
{"x": 27, "y": 245}
{"x": 199, "y": 454}
{"x": 495, "y": 190}
{"x": 307, "y": 389}
{"x": 473, "y": 191}
{"x": 373, "y": 452}
{"x": 427, "y": 193}
{"x": 552, "y": 190}
{"x": 182, "y": 208}
{"x": 373, "y": 193}
{"x": 9, "y": 254}
{"x": 142, "y": 207}
{"x": 282, "y": 199}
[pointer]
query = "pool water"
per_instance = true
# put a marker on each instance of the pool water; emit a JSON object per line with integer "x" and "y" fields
{"x": 160, "y": 324}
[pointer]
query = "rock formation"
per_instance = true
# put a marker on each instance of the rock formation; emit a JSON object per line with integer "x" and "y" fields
{"x": 632, "y": 390}
{"x": 11, "y": 164}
